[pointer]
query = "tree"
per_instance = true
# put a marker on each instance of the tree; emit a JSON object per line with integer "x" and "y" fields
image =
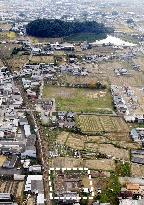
{"x": 59, "y": 28}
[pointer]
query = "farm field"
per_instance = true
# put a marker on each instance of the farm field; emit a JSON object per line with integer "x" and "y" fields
{"x": 109, "y": 150}
{"x": 1, "y": 63}
{"x": 12, "y": 187}
{"x": 97, "y": 124}
{"x": 95, "y": 144}
{"x": 90, "y": 37}
{"x": 137, "y": 170}
{"x": 6, "y": 49}
{"x": 91, "y": 79}
{"x": 5, "y": 26}
{"x": 100, "y": 164}
{"x": 67, "y": 162}
{"x": 2, "y": 160}
{"x": 17, "y": 61}
{"x": 97, "y": 164}
{"x": 35, "y": 40}
{"x": 7, "y": 36}
{"x": 136, "y": 79}
{"x": 31, "y": 201}
{"x": 77, "y": 100}
{"x": 42, "y": 59}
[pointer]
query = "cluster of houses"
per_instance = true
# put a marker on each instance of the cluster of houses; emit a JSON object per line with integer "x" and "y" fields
{"x": 128, "y": 103}
{"x": 73, "y": 69}
{"x": 17, "y": 139}
{"x": 54, "y": 119}
{"x": 137, "y": 156}
{"x": 132, "y": 191}
{"x": 49, "y": 48}
{"x": 121, "y": 71}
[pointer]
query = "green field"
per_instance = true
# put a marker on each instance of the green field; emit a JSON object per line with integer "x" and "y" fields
{"x": 79, "y": 100}
{"x": 90, "y": 37}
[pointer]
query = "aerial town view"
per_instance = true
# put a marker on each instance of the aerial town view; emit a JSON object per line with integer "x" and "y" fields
{"x": 72, "y": 102}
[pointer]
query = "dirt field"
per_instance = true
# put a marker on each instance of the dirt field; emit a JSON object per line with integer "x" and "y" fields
{"x": 31, "y": 201}
{"x": 75, "y": 143}
{"x": 62, "y": 137}
{"x": 42, "y": 59}
{"x": 95, "y": 124}
{"x": 2, "y": 160}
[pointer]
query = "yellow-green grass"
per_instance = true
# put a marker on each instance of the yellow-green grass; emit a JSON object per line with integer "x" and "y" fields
{"x": 78, "y": 100}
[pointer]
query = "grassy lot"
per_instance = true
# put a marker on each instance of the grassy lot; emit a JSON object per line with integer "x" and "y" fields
{"x": 35, "y": 40}
{"x": 99, "y": 124}
{"x": 111, "y": 192}
{"x": 7, "y": 36}
{"x": 78, "y": 100}
{"x": 123, "y": 169}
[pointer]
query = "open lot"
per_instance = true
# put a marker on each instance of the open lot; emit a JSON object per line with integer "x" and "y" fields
{"x": 77, "y": 100}
{"x": 95, "y": 124}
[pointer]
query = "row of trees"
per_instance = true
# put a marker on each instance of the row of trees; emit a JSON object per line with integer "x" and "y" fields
{"x": 58, "y": 28}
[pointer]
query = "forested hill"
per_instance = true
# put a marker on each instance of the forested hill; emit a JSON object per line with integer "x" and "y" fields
{"x": 58, "y": 28}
